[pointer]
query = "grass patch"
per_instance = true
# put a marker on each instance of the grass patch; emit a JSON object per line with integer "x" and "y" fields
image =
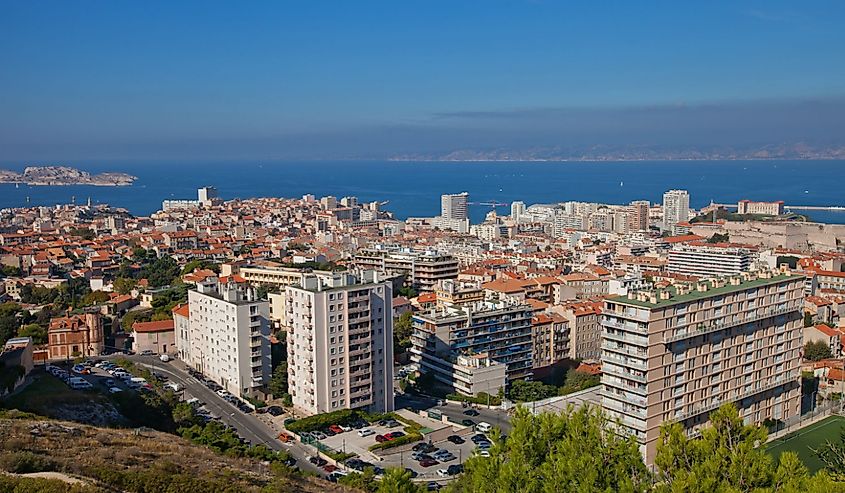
{"x": 807, "y": 439}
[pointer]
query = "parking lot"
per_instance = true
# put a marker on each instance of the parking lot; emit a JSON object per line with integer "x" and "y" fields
{"x": 428, "y": 461}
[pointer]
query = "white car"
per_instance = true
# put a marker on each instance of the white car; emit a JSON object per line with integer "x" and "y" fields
{"x": 443, "y": 473}
{"x": 483, "y": 427}
{"x": 164, "y": 358}
{"x": 365, "y": 432}
{"x": 114, "y": 390}
{"x": 484, "y": 453}
{"x": 345, "y": 428}
{"x": 222, "y": 393}
{"x": 174, "y": 386}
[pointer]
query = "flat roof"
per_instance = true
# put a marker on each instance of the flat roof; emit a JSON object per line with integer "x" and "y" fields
{"x": 697, "y": 295}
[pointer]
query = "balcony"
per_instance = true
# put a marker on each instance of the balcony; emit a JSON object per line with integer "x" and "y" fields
{"x": 629, "y": 350}
{"x": 624, "y": 374}
{"x": 610, "y": 322}
{"x": 626, "y": 338}
{"x": 717, "y": 325}
{"x": 613, "y": 359}
{"x": 733, "y": 396}
{"x": 609, "y": 401}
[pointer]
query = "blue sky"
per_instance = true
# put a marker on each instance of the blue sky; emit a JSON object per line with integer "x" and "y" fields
{"x": 112, "y": 79}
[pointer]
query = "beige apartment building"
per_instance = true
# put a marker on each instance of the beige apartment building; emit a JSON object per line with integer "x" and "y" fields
{"x": 340, "y": 343}
{"x": 678, "y": 353}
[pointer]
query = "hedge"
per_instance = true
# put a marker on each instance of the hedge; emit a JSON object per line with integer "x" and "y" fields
{"x": 481, "y": 398}
{"x": 322, "y": 421}
{"x": 412, "y": 434}
{"x": 410, "y": 437}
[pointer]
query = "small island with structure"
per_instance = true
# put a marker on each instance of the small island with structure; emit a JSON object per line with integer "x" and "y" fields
{"x": 64, "y": 175}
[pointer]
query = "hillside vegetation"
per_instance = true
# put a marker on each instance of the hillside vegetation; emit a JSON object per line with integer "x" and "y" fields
{"x": 112, "y": 459}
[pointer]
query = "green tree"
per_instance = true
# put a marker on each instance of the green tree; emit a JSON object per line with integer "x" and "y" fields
{"x": 402, "y": 329}
{"x": 816, "y": 351}
{"x": 10, "y": 271}
{"x": 364, "y": 481}
{"x": 578, "y": 380}
{"x": 728, "y": 458}
{"x": 124, "y": 285}
{"x": 95, "y": 298}
{"x": 35, "y": 331}
{"x": 279, "y": 381}
{"x": 161, "y": 272}
{"x": 522, "y": 391}
{"x": 552, "y": 452}
{"x": 397, "y": 480}
{"x": 9, "y": 321}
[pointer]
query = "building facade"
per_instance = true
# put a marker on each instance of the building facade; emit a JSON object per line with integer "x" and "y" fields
{"x": 75, "y": 336}
{"x": 228, "y": 336}
{"x": 765, "y": 208}
{"x": 499, "y": 329}
{"x": 678, "y": 353}
{"x": 422, "y": 270}
{"x": 340, "y": 343}
{"x": 675, "y": 209}
{"x": 454, "y": 206}
{"x": 709, "y": 260}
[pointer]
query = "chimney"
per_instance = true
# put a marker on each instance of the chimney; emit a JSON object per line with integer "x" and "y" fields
{"x": 665, "y": 295}
{"x": 702, "y": 287}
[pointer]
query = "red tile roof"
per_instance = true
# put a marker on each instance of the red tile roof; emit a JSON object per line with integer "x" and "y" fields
{"x": 157, "y": 326}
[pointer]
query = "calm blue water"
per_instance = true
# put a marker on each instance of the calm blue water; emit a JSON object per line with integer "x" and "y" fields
{"x": 413, "y": 189}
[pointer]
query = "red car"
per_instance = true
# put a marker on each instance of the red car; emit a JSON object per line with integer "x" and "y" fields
{"x": 336, "y": 428}
{"x": 330, "y": 468}
{"x": 428, "y": 462}
{"x": 381, "y": 438}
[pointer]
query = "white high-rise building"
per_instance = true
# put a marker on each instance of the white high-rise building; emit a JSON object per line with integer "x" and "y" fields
{"x": 454, "y": 206}
{"x": 675, "y": 208}
{"x": 207, "y": 196}
{"x": 340, "y": 343}
{"x": 228, "y": 336}
{"x": 517, "y": 210}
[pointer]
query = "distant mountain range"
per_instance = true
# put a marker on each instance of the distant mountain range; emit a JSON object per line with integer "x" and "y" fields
{"x": 609, "y": 153}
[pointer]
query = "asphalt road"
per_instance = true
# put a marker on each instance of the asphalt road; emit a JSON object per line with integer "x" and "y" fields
{"x": 495, "y": 417}
{"x": 249, "y": 426}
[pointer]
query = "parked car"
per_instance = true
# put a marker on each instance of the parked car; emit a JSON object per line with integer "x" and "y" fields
{"x": 443, "y": 473}
{"x": 365, "y": 432}
{"x": 318, "y": 461}
{"x": 468, "y": 422}
{"x": 147, "y": 352}
{"x": 381, "y": 438}
{"x": 478, "y": 437}
{"x": 433, "y": 486}
{"x": 319, "y": 435}
{"x": 164, "y": 358}
{"x": 174, "y": 386}
{"x": 329, "y": 432}
{"x": 455, "y": 469}
{"x": 471, "y": 412}
{"x": 275, "y": 411}
{"x": 428, "y": 462}
{"x": 330, "y": 468}
{"x": 114, "y": 390}
{"x": 335, "y": 428}
{"x": 484, "y": 453}
{"x": 412, "y": 472}
{"x": 456, "y": 439}
{"x": 345, "y": 428}
{"x": 394, "y": 435}
{"x": 483, "y": 427}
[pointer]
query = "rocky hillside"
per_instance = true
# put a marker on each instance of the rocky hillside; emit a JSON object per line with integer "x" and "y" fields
{"x": 107, "y": 459}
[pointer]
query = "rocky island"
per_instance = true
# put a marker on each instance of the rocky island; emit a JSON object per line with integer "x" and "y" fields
{"x": 64, "y": 175}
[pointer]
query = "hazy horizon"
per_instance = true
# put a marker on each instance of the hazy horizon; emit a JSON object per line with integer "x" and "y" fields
{"x": 293, "y": 81}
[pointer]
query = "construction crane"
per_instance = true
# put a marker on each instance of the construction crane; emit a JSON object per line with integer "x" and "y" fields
{"x": 492, "y": 204}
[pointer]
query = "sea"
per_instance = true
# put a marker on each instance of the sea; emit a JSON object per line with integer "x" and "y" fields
{"x": 413, "y": 189}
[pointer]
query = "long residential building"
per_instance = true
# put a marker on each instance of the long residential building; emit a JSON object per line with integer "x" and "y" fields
{"x": 422, "y": 270}
{"x": 709, "y": 260}
{"x": 678, "y": 353}
{"x": 499, "y": 329}
{"x": 227, "y": 336}
{"x": 340, "y": 343}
